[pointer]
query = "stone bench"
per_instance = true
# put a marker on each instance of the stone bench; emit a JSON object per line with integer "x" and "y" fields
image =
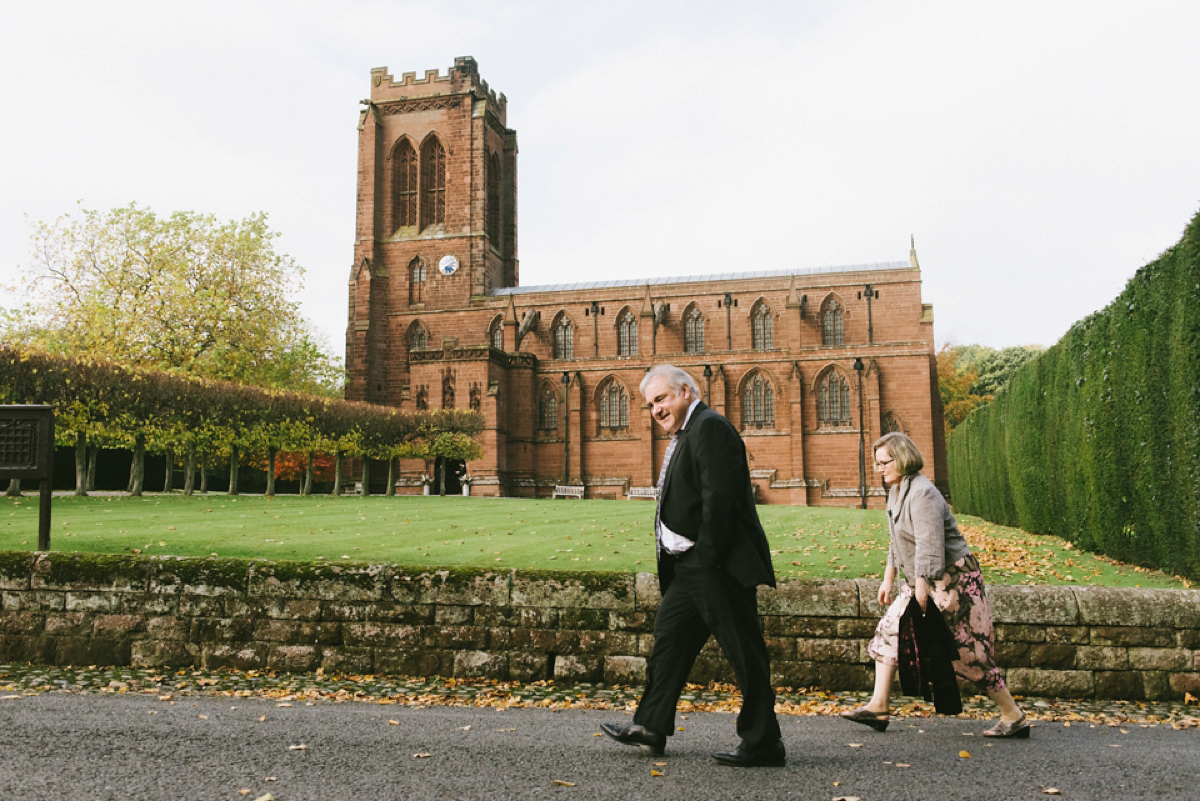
{"x": 641, "y": 492}
{"x": 561, "y": 491}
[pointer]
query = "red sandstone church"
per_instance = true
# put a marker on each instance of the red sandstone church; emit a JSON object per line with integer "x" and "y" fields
{"x": 810, "y": 365}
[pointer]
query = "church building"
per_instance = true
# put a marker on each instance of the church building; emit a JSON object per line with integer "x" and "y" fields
{"x": 811, "y": 365}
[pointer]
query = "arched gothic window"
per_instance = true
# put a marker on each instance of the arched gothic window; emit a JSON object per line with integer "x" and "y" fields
{"x": 833, "y": 400}
{"x": 404, "y": 185}
{"x": 891, "y": 423}
{"x": 564, "y": 339}
{"x": 433, "y": 182}
{"x": 493, "y": 200}
{"x": 627, "y": 334}
{"x": 693, "y": 331}
{"x": 417, "y": 338}
{"x": 763, "y": 333}
{"x": 832, "y": 332}
{"x": 758, "y": 403}
{"x": 614, "y": 406}
{"x": 496, "y": 336}
{"x": 416, "y": 281}
{"x": 548, "y": 410}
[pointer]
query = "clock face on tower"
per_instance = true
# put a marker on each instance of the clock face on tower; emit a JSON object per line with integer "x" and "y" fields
{"x": 448, "y": 265}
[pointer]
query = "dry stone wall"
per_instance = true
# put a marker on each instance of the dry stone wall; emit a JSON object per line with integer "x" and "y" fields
{"x": 60, "y": 609}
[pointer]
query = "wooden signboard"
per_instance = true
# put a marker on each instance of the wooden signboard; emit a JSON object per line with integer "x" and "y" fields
{"x": 27, "y": 453}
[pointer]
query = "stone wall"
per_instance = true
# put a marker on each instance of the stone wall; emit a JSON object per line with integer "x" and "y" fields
{"x": 531, "y": 625}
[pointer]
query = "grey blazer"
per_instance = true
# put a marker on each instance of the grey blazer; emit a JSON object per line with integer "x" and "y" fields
{"x": 923, "y": 532}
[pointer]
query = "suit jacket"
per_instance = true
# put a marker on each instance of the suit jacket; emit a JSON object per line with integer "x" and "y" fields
{"x": 706, "y": 496}
{"x": 927, "y": 654}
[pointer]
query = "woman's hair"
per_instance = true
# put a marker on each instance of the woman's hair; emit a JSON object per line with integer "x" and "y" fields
{"x": 901, "y": 448}
{"x": 676, "y": 378}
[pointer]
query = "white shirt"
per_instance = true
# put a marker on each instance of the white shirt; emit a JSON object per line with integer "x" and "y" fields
{"x": 673, "y": 543}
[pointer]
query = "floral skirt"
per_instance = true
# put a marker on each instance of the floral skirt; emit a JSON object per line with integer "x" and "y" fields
{"x": 960, "y": 596}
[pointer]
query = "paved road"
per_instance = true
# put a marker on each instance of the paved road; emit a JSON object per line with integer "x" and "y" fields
{"x": 133, "y": 747}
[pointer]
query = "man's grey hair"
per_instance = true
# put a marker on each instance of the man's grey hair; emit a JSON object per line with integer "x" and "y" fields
{"x": 677, "y": 378}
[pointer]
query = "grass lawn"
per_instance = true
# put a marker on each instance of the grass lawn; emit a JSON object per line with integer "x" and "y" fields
{"x": 807, "y": 542}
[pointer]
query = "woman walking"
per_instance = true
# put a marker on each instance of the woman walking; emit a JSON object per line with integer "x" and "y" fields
{"x": 926, "y": 545}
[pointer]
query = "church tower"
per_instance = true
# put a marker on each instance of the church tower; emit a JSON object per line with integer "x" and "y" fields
{"x": 436, "y": 224}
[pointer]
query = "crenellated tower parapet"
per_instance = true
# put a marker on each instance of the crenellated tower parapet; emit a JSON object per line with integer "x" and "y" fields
{"x": 461, "y": 79}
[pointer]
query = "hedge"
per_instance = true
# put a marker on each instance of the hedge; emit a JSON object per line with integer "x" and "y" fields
{"x": 1098, "y": 439}
{"x": 112, "y": 404}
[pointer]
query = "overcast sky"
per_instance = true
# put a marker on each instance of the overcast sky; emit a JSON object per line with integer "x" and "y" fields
{"x": 1039, "y": 152}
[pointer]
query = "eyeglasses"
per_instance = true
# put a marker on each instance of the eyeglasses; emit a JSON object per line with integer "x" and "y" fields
{"x": 883, "y": 464}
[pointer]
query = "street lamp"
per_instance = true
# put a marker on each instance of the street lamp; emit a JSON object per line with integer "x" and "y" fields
{"x": 862, "y": 434}
{"x": 566, "y": 382}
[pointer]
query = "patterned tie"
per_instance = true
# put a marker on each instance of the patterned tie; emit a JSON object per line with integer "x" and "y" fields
{"x": 662, "y": 476}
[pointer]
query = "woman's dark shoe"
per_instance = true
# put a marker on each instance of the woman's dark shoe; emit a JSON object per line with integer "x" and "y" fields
{"x": 633, "y": 734}
{"x": 1018, "y": 728}
{"x": 876, "y": 720}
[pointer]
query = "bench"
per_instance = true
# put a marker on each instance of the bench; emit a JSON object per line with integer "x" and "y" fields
{"x": 561, "y": 491}
{"x": 641, "y": 492}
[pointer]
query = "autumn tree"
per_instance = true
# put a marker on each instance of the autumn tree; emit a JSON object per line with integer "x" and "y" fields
{"x": 185, "y": 293}
{"x": 970, "y": 375}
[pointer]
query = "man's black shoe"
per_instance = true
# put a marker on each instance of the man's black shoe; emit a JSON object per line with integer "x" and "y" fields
{"x": 773, "y": 756}
{"x": 633, "y": 734}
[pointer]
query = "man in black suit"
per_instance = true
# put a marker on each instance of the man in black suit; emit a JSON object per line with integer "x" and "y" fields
{"x": 712, "y": 554}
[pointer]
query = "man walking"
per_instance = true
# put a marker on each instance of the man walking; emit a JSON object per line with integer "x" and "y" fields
{"x": 712, "y": 554}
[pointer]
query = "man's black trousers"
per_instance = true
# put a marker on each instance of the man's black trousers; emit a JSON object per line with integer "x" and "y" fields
{"x": 701, "y": 601}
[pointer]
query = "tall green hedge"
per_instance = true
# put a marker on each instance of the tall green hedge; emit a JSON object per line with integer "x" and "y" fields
{"x": 1098, "y": 439}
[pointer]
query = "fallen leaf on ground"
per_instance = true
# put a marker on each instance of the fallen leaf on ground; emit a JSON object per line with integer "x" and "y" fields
{"x": 964, "y": 754}
{"x": 244, "y": 791}
{"x": 854, "y": 745}
{"x": 1052, "y": 791}
{"x": 846, "y": 798}
{"x": 464, "y": 728}
{"x": 422, "y": 756}
{"x": 561, "y": 783}
{"x": 267, "y": 797}
{"x": 300, "y": 747}
{"x": 505, "y": 729}
{"x": 655, "y": 772}
{"x": 393, "y": 723}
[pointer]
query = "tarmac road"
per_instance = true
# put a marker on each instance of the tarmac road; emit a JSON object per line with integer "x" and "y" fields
{"x": 133, "y": 747}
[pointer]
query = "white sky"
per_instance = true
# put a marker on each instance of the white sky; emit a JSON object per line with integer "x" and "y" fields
{"x": 1040, "y": 152}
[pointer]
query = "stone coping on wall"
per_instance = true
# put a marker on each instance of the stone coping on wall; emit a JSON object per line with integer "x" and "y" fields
{"x": 145, "y": 611}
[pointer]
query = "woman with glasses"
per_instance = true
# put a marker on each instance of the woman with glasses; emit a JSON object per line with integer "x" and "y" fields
{"x": 926, "y": 545}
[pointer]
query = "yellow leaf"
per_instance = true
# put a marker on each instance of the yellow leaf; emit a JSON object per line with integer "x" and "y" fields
{"x": 267, "y": 797}
{"x": 393, "y": 723}
{"x": 244, "y": 791}
{"x": 561, "y": 783}
{"x": 422, "y": 756}
{"x": 656, "y": 772}
{"x": 965, "y": 754}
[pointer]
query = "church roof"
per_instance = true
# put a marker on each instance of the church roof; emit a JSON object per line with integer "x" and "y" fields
{"x": 685, "y": 279}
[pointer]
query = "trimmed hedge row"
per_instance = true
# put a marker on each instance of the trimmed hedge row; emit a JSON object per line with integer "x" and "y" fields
{"x": 1098, "y": 439}
{"x": 114, "y": 404}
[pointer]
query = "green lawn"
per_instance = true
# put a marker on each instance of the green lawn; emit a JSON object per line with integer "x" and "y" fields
{"x": 807, "y": 542}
